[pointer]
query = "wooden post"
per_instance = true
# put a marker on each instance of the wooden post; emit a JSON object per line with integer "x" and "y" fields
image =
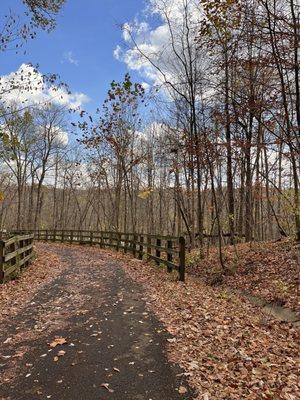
{"x": 181, "y": 258}
{"x": 141, "y": 250}
{"x": 101, "y": 240}
{"x": 17, "y": 245}
{"x": 125, "y": 243}
{"x": 1, "y": 261}
{"x": 157, "y": 251}
{"x": 118, "y": 241}
{"x": 149, "y": 249}
{"x": 54, "y": 235}
{"x": 91, "y": 237}
{"x": 169, "y": 254}
{"x": 71, "y": 238}
{"x": 26, "y": 252}
{"x": 134, "y": 245}
{"x": 47, "y": 235}
{"x": 62, "y": 236}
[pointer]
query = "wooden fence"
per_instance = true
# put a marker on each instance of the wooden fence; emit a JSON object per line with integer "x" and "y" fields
{"x": 166, "y": 250}
{"x": 15, "y": 254}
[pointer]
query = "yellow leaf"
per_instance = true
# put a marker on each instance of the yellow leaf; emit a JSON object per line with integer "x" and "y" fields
{"x": 182, "y": 390}
{"x": 144, "y": 194}
{"x": 58, "y": 341}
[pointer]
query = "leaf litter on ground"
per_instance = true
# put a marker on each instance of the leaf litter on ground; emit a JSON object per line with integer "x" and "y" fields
{"x": 228, "y": 348}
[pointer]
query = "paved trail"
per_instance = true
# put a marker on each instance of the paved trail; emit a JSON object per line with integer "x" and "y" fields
{"x": 115, "y": 347}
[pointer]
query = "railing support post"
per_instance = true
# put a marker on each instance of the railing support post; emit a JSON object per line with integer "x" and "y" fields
{"x": 1, "y": 261}
{"x": 125, "y": 243}
{"x": 134, "y": 245}
{"x": 141, "y": 250}
{"x": 181, "y": 258}
{"x": 169, "y": 255}
{"x": 118, "y": 241}
{"x": 149, "y": 250}
{"x": 157, "y": 252}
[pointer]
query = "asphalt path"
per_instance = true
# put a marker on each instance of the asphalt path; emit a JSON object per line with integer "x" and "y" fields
{"x": 87, "y": 335}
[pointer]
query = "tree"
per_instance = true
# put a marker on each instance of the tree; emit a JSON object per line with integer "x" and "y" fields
{"x": 114, "y": 137}
{"x": 50, "y": 127}
{"x": 30, "y": 141}
{"x": 16, "y": 153}
{"x": 38, "y": 14}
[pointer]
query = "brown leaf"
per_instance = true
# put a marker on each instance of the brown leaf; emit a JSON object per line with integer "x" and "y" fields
{"x": 182, "y": 390}
{"x": 106, "y": 386}
{"x": 58, "y": 342}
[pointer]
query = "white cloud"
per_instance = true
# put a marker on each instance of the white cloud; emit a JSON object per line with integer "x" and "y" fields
{"x": 62, "y": 138}
{"x": 26, "y": 86}
{"x": 127, "y": 29}
{"x": 146, "y": 86}
{"x": 73, "y": 100}
{"x": 69, "y": 56}
{"x": 118, "y": 53}
{"x": 158, "y": 45}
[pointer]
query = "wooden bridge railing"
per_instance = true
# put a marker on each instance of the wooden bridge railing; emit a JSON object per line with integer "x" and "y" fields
{"x": 166, "y": 250}
{"x": 15, "y": 254}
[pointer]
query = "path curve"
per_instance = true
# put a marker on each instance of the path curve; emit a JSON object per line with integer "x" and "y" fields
{"x": 114, "y": 350}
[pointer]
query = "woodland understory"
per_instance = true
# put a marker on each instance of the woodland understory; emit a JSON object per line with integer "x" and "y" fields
{"x": 211, "y": 152}
{"x": 228, "y": 348}
{"x": 208, "y": 149}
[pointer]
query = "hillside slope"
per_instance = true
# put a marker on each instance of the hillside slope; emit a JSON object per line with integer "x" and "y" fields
{"x": 269, "y": 270}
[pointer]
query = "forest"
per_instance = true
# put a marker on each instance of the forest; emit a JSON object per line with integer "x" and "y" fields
{"x": 149, "y": 199}
{"x": 210, "y": 151}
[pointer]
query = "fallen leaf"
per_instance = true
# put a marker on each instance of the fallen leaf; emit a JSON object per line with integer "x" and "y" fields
{"x": 182, "y": 390}
{"x": 173, "y": 340}
{"x": 58, "y": 342}
{"x": 106, "y": 386}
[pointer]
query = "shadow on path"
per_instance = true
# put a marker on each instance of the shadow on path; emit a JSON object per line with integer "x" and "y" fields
{"x": 115, "y": 348}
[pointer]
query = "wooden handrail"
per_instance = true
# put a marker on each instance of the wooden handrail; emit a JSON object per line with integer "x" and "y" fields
{"x": 15, "y": 253}
{"x": 168, "y": 250}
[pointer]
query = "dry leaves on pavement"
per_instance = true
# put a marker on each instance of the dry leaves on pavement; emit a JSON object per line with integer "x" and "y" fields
{"x": 228, "y": 348}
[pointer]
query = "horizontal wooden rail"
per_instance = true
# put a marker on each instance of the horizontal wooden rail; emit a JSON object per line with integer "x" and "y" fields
{"x": 15, "y": 254}
{"x": 165, "y": 250}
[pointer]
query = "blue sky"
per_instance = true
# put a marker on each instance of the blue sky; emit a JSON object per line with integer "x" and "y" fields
{"x": 80, "y": 49}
